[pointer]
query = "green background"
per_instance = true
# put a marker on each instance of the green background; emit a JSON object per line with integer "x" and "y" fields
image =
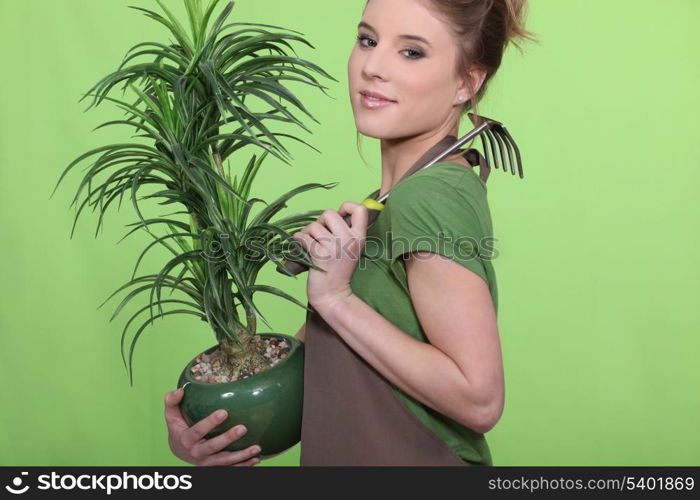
{"x": 598, "y": 273}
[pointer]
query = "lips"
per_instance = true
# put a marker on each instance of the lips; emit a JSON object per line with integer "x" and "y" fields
{"x": 375, "y": 96}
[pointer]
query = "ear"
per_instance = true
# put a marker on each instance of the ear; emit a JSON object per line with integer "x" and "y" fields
{"x": 470, "y": 84}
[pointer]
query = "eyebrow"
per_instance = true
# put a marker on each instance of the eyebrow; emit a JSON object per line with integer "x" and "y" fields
{"x": 363, "y": 24}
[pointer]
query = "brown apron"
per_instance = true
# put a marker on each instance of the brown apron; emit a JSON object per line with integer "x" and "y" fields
{"x": 351, "y": 415}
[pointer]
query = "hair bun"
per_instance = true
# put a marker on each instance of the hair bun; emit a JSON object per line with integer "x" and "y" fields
{"x": 515, "y": 14}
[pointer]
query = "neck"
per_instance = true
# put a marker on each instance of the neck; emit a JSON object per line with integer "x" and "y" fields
{"x": 399, "y": 155}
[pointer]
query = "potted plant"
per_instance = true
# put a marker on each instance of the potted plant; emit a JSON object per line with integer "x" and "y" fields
{"x": 193, "y": 112}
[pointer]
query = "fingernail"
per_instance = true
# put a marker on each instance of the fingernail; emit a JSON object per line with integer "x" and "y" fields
{"x": 240, "y": 430}
{"x": 221, "y": 414}
{"x": 256, "y": 449}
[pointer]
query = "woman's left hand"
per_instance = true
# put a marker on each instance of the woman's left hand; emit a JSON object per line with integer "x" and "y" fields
{"x": 335, "y": 247}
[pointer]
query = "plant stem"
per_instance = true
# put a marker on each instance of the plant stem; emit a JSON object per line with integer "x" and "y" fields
{"x": 217, "y": 160}
{"x": 195, "y": 222}
{"x": 251, "y": 320}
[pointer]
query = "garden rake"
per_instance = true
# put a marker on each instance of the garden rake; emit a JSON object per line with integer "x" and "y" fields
{"x": 493, "y": 135}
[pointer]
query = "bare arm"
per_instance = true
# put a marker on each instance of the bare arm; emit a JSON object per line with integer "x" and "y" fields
{"x": 459, "y": 371}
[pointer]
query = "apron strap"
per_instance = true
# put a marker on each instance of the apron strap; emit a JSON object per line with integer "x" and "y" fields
{"x": 473, "y": 156}
{"x": 444, "y": 143}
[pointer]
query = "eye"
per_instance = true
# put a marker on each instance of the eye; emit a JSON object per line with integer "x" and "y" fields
{"x": 415, "y": 53}
{"x": 361, "y": 38}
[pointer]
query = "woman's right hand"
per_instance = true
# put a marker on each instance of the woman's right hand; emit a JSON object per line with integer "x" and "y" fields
{"x": 188, "y": 443}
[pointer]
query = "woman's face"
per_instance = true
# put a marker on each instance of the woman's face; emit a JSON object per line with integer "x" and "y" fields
{"x": 418, "y": 76}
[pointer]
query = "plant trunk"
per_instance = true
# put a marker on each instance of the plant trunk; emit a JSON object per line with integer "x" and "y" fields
{"x": 245, "y": 354}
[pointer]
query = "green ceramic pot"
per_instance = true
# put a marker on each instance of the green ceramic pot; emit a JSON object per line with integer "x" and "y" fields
{"x": 269, "y": 404}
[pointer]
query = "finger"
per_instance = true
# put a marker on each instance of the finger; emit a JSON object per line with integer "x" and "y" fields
{"x": 251, "y": 462}
{"x": 333, "y": 221}
{"x": 344, "y": 207}
{"x": 312, "y": 247}
{"x": 358, "y": 216}
{"x": 173, "y": 415}
{"x": 233, "y": 457}
{"x": 320, "y": 240}
{"x": 318, "y": 231}
{"x": 303, "y": 239}
{"x": 194, "y": 434}
{"x": 210, "y": 446}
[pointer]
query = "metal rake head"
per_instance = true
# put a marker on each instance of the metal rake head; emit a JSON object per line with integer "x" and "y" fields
{"x": 494, "y": 135}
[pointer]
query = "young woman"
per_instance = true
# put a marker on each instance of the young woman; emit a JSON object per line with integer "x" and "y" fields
{"x": 403, "y": 360}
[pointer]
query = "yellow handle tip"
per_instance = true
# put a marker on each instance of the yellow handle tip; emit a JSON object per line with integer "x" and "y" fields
{"x": 373, "y": 204}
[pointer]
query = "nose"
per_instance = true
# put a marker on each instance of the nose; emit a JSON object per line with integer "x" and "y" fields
{"x": 375, "y": 64}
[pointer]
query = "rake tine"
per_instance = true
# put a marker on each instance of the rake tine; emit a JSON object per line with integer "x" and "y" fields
{"x": 503, "y": 138}
{"x": 499, "y": 142}
{"x": 477, "y": 120}
{"x": 493, "y": 148}
{"x": 486, "y": 149}
{"x": 510, "y": 152}
{"x": 515, "y": 147}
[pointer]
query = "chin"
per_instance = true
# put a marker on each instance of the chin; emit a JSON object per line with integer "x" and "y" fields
{"x": 373, "y": 133}
{"x": 373, "y": 127}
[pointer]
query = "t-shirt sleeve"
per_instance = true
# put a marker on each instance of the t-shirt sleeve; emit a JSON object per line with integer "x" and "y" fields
{"x": 428, "y": 213}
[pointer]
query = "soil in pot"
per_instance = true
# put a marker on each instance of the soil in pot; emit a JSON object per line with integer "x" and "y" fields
{"x": 209, "y": 368}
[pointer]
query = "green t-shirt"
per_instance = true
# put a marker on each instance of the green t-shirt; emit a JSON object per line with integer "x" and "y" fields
{"x": 442, "y": 208}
